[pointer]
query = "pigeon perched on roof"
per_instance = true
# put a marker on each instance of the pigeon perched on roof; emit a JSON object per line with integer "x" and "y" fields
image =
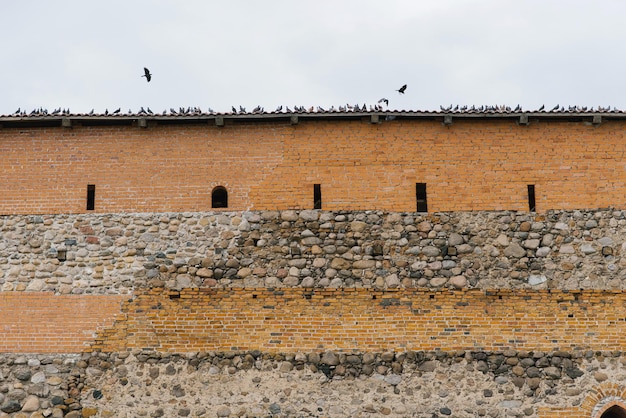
{"x": 401, "y": 89}
{"x": 147, "y": 74}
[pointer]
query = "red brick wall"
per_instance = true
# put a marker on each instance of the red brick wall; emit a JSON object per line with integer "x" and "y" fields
{"x": 35, "y": 322}
{"x": 471, "y": 165}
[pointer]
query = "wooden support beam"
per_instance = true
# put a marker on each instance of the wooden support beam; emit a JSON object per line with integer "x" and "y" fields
{"x": 447, "y": 120}
{"x": 66, "y": 122}
{"x": 142, "y": 122}
{"x": 293, "y": 119}
{"x": 374, "y": 119}
{"x": 219, "y": 121}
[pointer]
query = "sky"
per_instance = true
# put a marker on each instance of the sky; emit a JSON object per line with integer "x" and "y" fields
{"x": 84, "y": 55}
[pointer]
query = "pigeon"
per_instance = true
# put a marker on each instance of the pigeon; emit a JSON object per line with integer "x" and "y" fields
{"x": 233, "y": 109}
{"x": 555, "y": 108}
{"x": 279, "y": 108}
{"x": 542, "y": 107}
{"x": 147, "y": 74}
{"x": 401, "y": 89}
{"x": 385, "y": 101}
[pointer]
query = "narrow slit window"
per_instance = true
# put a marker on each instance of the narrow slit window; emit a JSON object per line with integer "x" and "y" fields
{"x": 317, "y": 196}
{"x": 531, "y": 198}
{"x": 219, "y": 197}
{"x": 420, "y": 194}
{"x": 91, "y": 196}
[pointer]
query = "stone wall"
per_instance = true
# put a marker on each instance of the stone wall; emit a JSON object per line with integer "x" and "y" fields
{"x": 548, "y": 287}
{"x": 314, "y": 384}
{"x": 117, "y": 253}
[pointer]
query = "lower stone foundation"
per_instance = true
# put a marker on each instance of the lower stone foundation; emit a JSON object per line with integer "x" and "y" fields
{"x": 315, "y": 384}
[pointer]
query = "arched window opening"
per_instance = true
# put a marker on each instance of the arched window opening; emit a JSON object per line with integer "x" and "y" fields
{"x": 614, "y": 412}
{"x": 219, "y": 197}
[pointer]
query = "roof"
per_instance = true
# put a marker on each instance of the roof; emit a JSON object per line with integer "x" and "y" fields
{"x": 62, "y": 117}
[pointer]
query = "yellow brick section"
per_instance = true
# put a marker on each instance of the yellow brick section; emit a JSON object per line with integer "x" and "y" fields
{"x": 293, "y": 320}
{"x": 41, "y": 322}
{"x": 470, "y": 165}
{"x": 598, "y": 401}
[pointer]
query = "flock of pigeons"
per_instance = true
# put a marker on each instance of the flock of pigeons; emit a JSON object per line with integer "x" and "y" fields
{"x": 378, "y": 107}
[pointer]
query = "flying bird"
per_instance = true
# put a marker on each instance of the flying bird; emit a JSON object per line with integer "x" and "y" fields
{"x": 384, "y": 100}
{"x": 147, "y": 74}
{"x": 401, "y": 89}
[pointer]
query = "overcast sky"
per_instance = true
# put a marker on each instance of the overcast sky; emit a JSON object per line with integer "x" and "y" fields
{"x": 90, "y": 54}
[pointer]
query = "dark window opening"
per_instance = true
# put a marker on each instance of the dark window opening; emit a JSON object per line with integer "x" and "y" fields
{"x": 614, "y": 412}
{"x": 531, "y": 198}
{"x": 91, "y": 196}
{"x": 317, "y": 196}
{"x": 219, "y": 197}
{"x": 420, "y": 194}
{"x": 61, "y": 255}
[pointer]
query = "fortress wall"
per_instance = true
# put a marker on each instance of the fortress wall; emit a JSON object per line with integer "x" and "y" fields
{"x": 312, "y": 313}
{"x": 254, "y": 384}
{"x": 120, "y": 253}
{"x": 470, "y": 165}
{"x": 304, "y": 320}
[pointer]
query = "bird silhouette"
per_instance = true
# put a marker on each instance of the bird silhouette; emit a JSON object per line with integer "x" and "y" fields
{"x": 542, "y": 107}
{"x": 401, "y": 89}
{"x": 385, "y": 101}
{"x": 147, "y": 74}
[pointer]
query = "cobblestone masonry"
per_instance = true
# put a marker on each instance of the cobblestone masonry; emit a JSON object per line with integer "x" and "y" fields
{"x": 267, "y": 165}
{"x": 118, "y": 253}
{"x": 312, "y": 313}
{"x": 314, "y": 384}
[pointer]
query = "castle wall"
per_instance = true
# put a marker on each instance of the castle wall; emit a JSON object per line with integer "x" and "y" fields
{"x": 271, "y": 165}
{"x": 118, "y": 253}
{"x": 285, "y": 312}
{"x": 152, "y": 304}
{"x": 328, "y": 384}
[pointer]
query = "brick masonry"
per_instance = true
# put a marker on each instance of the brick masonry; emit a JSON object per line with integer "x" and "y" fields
{"x": 295, "y": 320}
{"x": 471, "y": 165}
{"x": 40, "y": 322}
{"x": 517, "y": 295}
